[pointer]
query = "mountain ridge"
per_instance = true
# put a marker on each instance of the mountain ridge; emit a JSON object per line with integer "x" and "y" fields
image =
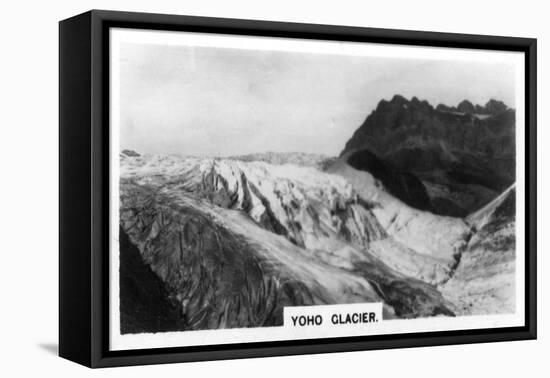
{"x": 464, "y": 155}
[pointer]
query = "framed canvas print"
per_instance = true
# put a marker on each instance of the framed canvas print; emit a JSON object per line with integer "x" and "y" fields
{"x": 234, "y": 188}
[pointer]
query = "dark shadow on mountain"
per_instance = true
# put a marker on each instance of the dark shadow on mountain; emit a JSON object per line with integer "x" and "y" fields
{"x": 409, "y": 297}
{"x": 144, "y": 301}
{"x": 403, "y": 185}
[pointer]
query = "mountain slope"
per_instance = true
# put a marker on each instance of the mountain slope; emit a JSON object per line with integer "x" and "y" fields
{"x": 403, "y": 185}
{"x": 422, "y": 244}
{"x": 484, "y": 281}
{"x": 235, "y": 242}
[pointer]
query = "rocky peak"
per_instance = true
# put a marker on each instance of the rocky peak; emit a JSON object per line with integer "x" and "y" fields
{"x": 422, "y": 105}
{"x": 466, "y": 107}
{"x": 445, "y": 108}
{"x": 399, "y": 100}
{"x": 495, "y": 107}
{"x": 457, "y": 147}
{"x": 130, "y": 153}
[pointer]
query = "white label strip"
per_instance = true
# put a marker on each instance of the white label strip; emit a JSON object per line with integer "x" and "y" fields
{"x": 351, "y": 316}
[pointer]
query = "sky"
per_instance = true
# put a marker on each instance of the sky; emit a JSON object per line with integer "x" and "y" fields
{"x": 223, "y": 101}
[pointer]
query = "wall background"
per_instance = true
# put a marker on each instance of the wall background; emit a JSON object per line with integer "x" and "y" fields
{"x": 29, "y": 186}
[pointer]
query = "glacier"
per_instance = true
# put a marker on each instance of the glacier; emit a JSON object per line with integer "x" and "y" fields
{"x": 234, "y": 240}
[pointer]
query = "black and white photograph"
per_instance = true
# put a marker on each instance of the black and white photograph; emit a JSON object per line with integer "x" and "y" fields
{"x": 256, "y": 176}
{"x": 275, "y": 189}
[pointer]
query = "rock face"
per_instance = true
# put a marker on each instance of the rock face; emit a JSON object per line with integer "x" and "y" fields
{"x": 464, "y": 156}
{"x": 234, "y": 242}
{"x": 484, "y": 281}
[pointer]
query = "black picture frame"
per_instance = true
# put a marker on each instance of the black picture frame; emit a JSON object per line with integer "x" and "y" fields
{"x": 84, "y": 187}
